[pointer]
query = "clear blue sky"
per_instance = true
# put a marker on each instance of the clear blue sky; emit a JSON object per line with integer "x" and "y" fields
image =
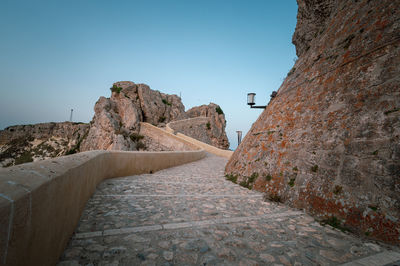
{"x": 57, "y": 55}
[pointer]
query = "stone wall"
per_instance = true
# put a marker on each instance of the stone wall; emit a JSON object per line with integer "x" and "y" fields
{"x": 208, "y": 148}
{"x": 41, "y": 203}
{"x": 329, "y": 142}
{"x": 163, "y": 138}
{"x": 211, "y": 131}
{"x": 193, "y": 127}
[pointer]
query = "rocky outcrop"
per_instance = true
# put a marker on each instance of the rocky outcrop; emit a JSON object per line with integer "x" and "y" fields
{"x": 329, "y": 142}
{"x": 116, "y": 122}
{"x": 27, "y": 143}
{"x": 210, "y": 130}
{"x": 115, "y": 125}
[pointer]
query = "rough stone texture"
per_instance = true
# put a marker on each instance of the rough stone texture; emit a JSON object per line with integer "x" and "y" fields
{"x": 191, "y": 215}
{"x": 26, "y": 143}
{"x": 117, "y": 118}
{"x": 193, "y": 127}
{"x": 312, "y": 16}
{"x": 211, "y": 131}
{"x": 159, "y": 140}
{"x": 329, "y": 142}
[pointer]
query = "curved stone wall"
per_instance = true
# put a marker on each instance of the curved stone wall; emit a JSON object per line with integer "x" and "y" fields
{"x": 206, "y": 147}
{"x": 41, "y": 202}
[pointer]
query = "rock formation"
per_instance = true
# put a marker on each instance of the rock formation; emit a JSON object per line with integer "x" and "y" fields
{"x": 115, "y": 125}
{"x": 329, "y": 142}
{"x": 206, "y": 123}
{"x": 27, "y": 143}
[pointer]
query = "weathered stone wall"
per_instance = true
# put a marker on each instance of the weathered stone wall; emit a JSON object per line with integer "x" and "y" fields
{"x": 165, "y": 139}
{"x": 41, "y": 203}
{"x": 193, "y": 127}
{"x": 329, "y": 142}
{"x": 213, "y": 131}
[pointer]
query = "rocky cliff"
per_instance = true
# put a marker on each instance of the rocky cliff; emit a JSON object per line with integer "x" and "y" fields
{"x": 329, "y": 142}
{"x": 27, "y": 143}
{"x": 206, "y": 123}
{"x": 115, "y": 125}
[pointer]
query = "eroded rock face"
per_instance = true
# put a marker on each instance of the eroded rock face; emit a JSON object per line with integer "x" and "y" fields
{"x": 115, "y": 125}
{"x": 312, "y": 17}
{"x": 118, "y": 117}
{"x": 211, "y": 131}
{"x": 27, "y": 143}
{"x": 329, "y": 142}
{"x": 108, "y": 130}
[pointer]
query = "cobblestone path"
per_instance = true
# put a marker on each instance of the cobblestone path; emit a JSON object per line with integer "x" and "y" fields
{"x": 190, "y": 215}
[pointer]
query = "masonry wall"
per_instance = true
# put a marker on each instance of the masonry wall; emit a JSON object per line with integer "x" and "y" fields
{"x": 165, "y": 138}
{"x": 329, "y": 142}
{"x": 41, "y": 203}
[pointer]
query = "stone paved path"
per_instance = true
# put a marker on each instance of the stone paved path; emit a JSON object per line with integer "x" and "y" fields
{"x": 190, "y": 215}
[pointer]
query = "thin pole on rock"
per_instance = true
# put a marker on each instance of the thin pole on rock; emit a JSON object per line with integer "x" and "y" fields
{"x": 70, "y": 117}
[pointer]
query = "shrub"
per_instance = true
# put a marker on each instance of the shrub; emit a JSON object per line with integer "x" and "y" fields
{"x": 291, "y": 71}
{"x": 78, "y": 145}
{"x": 373, "y": 207}
{"x": 335, "y": 223}
{"x": 140, "y": 145}
{"x": 219, "y": 110}
{"x": 208, "y": 125}
{"x": 245, "y": 184}
{"x": 116, "y": 89}
{"x": 162, "y": 119}
{"x": 231, "y": 177}
{"x": 248, "y": 181}
{"x": 392, "y": 111}
{"x": 71, "y": 151}
{"x": 166, "y": 102}
{"x": 291, "y": 182}
{"x": 314, "y": 168}
{"x": 337, "y": 190}
{"x": 274, "y": 198}
{"x": 268, "y": 177}
{"x": 26, "y": 157}
{"x": 253, "y": 178}
{"x": 135, "y": 137}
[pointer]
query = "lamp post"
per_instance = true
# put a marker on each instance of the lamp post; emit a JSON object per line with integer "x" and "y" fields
{"x": 251, "y": 101}
{"x": 70, "y": 117}
{"x": 239, "y": 133}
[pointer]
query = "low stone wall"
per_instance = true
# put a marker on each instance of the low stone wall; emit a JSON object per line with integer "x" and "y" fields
{"x": 166, "y": 139}
{"x": 41, "y": 203}
{"x": 197, "y": 143}
{"x": 208, "y": 148}
{"x": 210, "y": 130}
{"x": 194, "y": 127}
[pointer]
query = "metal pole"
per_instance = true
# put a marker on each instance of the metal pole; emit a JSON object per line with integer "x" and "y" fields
{"x": 239, "y": 136}
{"x": 70, "y": 117}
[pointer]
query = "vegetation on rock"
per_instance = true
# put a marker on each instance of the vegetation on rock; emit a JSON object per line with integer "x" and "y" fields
{"x": 116, "y": 89}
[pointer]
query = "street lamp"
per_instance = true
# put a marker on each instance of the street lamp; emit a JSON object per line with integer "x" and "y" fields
{"x": 239, "y": 133}
{"x": 250, "y": 101}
